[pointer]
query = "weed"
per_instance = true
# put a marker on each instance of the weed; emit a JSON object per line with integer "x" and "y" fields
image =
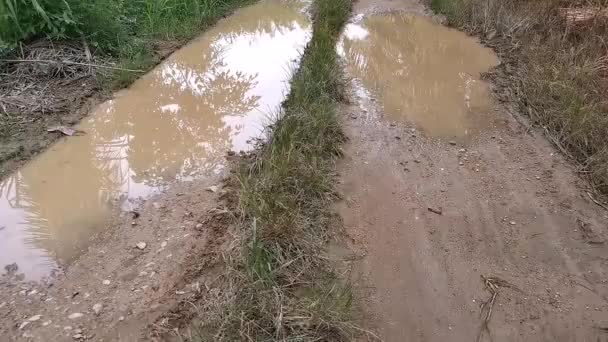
{"x": 286, "y": 289}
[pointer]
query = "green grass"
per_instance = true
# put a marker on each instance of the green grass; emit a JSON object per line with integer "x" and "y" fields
{"x": 557, "y": 71}
{"x": 284, "y": 289}
{"x": 123, "y": 31}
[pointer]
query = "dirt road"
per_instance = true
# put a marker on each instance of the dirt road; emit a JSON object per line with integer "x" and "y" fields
{"x": 434, "y": 218}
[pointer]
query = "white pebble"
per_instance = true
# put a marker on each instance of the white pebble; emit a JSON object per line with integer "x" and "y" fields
{"x": 75, "y": 315}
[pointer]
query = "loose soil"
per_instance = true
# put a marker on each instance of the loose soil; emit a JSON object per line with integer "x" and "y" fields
{"x": 444, "y": 224}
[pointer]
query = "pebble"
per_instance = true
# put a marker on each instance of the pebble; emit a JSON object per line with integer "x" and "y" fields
{"x": 512, "y": 223}
{"x": 461, "y": 163}
{"x": 97, "y": 308}
{"x": 23, "y": 325}
{"x": 106, "y": 282}
{"x": 462, "y": 150}
{"x": 75, "y": 315}
{"x": 212, "y": 188}
{"x": 34, "y": 318}
{"x": 453, "y": 143}
{"x": 46, "y": 323}
{"x": 199, "y": 225}
{"x": 121, "y": 318}
{"x": 141, "y": 245}
{"x": 77, "y": 336}
{"x": 163, "y": 244}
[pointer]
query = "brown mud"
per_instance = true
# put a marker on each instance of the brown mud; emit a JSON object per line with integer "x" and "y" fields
{"x": 488, "y": 238}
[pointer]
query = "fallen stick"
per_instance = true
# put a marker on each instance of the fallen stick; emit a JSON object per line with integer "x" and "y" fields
{"x": 596, "y": 201}
{"x": 66, "y": 62}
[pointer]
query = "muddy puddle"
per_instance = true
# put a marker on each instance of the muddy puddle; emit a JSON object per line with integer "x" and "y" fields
{"x": 174, "y": 124}
{"x": 421, "y": 72}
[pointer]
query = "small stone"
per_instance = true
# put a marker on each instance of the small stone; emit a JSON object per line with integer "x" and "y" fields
{"x": 163, "y": 244}
{"x": 77, "y": 336}
{"x": 23, "y": 325}
{"x": 77, "y": 331}
{"x": 462, "y": 150}
{"x": 97, "y": 308}
{"x": 67, "y": 327}
{"x": 213, "y": 189}
{"x": 141, "y": 245}
{"x": 106, "y": 282}
{"x": 460, "y": 163}
{"x": 121, "y": 318}
{"x": 452, "y": 142}
{"x": 512, "y": 223}
{"x": 143, "y": 273}
{"x": 11, "y": 268}
{"x": 34, "y": 318}
{"x": 199, "y": 225}
{"x": 46, "y": 323}
{"x": 75, "y": 315}
{"x": 180, "y": 292}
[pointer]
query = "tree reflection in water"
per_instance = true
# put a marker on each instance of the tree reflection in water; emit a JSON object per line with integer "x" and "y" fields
{"x": 175, "y": 123}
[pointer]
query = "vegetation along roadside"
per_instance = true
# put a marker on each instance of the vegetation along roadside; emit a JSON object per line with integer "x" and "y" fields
{"x": 280, "y": 283}
{"x": 60, "y": 57}
{"x": 555, "y": 67}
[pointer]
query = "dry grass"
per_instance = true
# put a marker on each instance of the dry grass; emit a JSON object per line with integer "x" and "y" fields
{"x": 555, "y": 66}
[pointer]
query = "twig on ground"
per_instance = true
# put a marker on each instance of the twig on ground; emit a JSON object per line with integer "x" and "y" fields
{"x": 492, "y": 285}
{"x": 596, "y": 201}
{"x": 67, "y": 62}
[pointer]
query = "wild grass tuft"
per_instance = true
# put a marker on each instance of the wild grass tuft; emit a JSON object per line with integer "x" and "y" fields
{"x": 284, "y": 289}
{"x": 555, "y": 66}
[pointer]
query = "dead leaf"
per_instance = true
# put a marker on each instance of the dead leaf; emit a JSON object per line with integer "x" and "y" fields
{"x": 65, "y": 130}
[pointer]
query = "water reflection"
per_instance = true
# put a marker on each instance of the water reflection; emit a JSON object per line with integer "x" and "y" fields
{"x": 175, "y": 123}
{"x": 422, "y": 72}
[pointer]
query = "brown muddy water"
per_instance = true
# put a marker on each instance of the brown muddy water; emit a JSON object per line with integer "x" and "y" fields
{"x": 174, "y": 124}
{"x": 421, "y": 72}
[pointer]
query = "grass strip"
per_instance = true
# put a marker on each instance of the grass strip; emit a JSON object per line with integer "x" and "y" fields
{"x": 284, "y": 288}
{"x": 554, "y": 66}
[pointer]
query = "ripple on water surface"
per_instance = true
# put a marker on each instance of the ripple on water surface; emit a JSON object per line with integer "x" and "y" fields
{"x": 422, "y": 72}
{"x": 175, "y": 123}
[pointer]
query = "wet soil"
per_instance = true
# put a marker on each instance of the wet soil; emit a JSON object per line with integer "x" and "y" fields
{"x": 434, "y": 217}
